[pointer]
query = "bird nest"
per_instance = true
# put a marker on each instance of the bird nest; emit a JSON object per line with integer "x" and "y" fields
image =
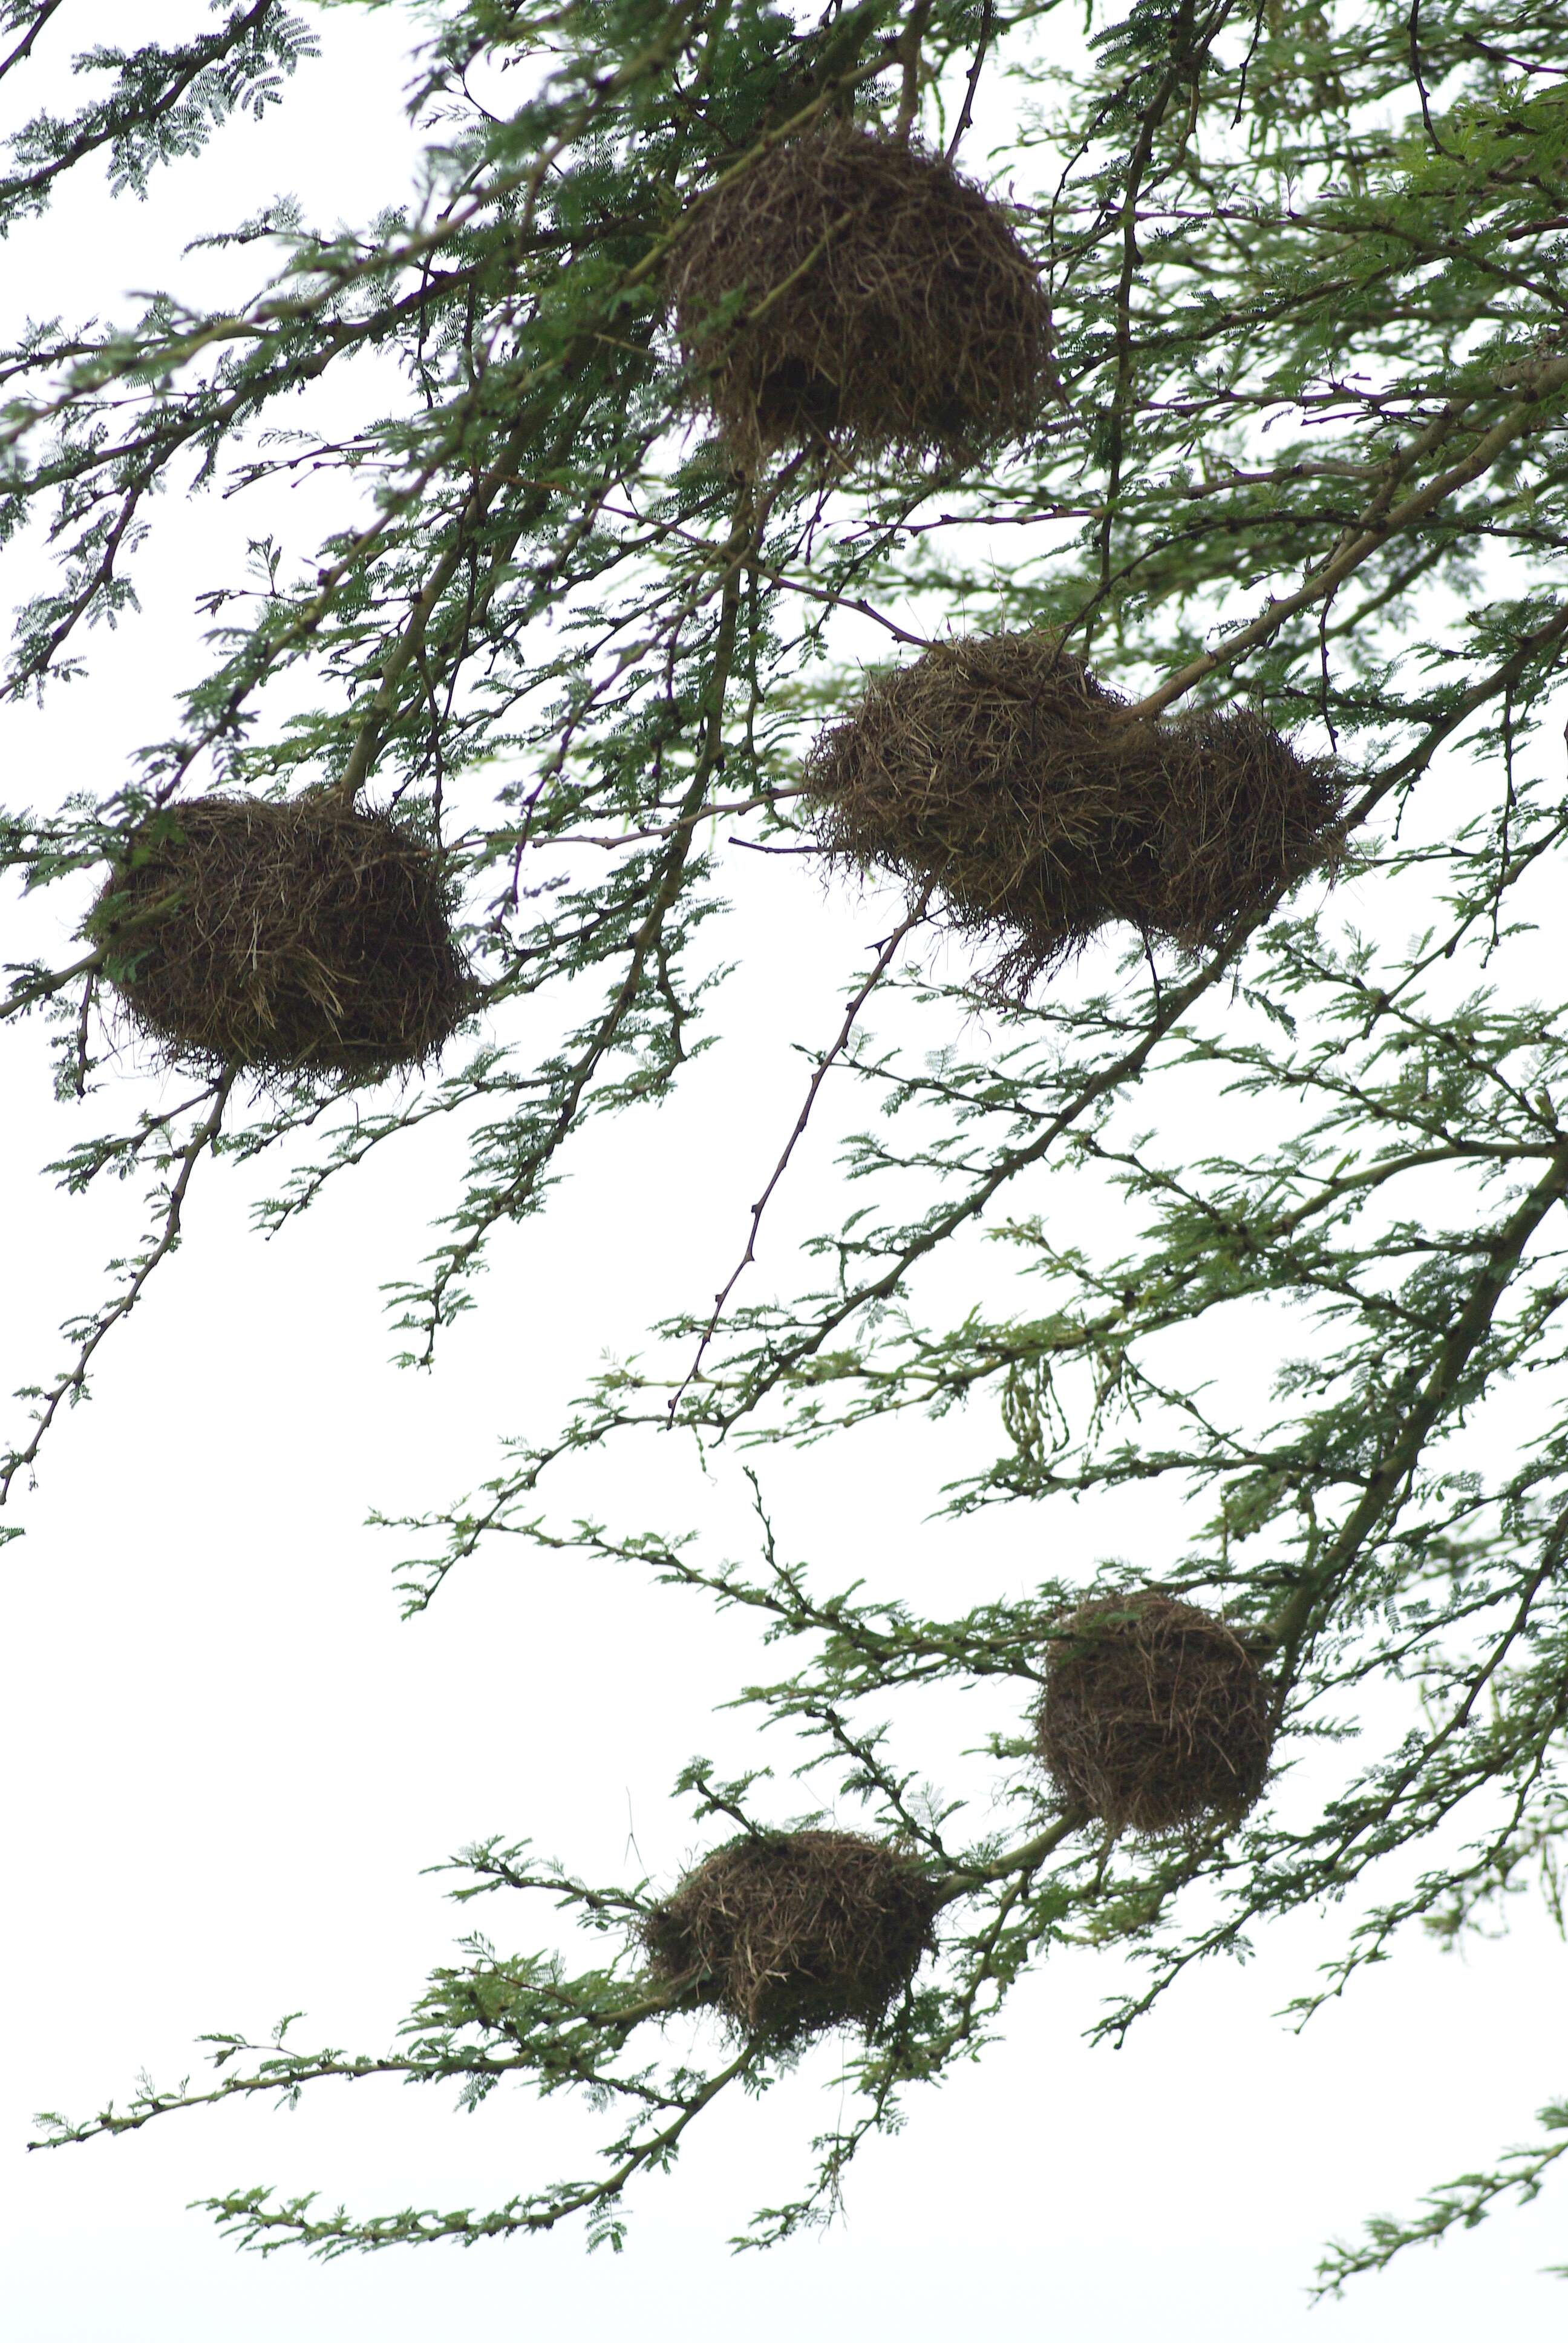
{"x": 794, "y": 1933}
{"x": 1155, "y": 1717}
{"x": 998, "y": 771}
{"x": 848, "y": 289}
{"x": 295, "y": 938}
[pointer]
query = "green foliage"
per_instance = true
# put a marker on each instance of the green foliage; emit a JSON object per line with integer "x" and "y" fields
{"x": 163, "y": 104}
{"x": 1457, "y": 2204}
{"x": 1307, "y": 273}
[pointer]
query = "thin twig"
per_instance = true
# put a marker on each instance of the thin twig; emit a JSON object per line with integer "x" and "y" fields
{"x": 884, "y": 962}
{"x": 24, "y": 47}
{"x": 1414, "y": 30}
{"x": 1371, "y": 534}
{"x": 966, "y": 112}
{"x": 71, "y": 1384}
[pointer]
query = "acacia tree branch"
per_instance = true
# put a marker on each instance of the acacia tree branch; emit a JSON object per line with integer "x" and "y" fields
{"x": 887, "y": 953}
{"x": 573, "y": 1087}
{"x": 1457, "y": 2204}
{"x": 73, "y": 1382}
{"x": 1525, "y": 414}
{"x": 1389, "y": 1476}
{"x": 102, "y": 126}
{"x": 24, "y": 48}
{"x": 976, "y": 66}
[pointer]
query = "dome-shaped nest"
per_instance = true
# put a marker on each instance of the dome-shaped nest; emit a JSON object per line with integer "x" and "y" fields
{"x": 998, "y": 769}
{"x": 1155, "y": 1717}
{"x": 792, "y": 1933}
{"x": 1004, "y": 774}
{"x": 294, "y": 938}
{"x": 848, "y": 289}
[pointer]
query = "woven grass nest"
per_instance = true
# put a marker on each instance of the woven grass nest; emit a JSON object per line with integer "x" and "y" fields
{"x": 300, "y": 937}
{"x": 1155, "y": 1717}
{"x": 793, "y": 1932}
{"x": 852, "y": 290}
{"x": 997, "y": 768}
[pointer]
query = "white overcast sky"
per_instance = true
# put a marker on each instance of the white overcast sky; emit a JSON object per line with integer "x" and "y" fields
{"x": 227, "y": 1763}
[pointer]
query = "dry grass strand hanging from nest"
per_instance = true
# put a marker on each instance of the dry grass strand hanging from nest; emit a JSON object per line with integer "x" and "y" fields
{"x": 999, "y": 768}
{"x": 851, "y": 290}
{"x": 1155, "y": 1717}
{"x": 302, "y": 937}
{"x": 793, "y": 1932}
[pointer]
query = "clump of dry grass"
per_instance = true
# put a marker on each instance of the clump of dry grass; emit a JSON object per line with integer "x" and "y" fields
{"x": 301, "y": 937}
{"x": 1155, "y": 1717}
{"x": 792, "y": 1933}
{"x": 849, "y": 290}
{"x": 998, "y": 769}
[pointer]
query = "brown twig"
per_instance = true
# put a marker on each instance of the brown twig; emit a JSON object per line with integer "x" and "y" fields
{"x": 885, "y": 955}
{"x": 966, "y": 112}
{"x": 1550, "y": 374}
{"x": 71, "y": 1384}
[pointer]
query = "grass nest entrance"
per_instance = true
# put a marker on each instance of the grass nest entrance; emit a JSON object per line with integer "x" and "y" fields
{"x": 300, "y": 937}
{"x": 850, "y": 289}
{"x": 998, "y": 769}
{"x": 794, "y": 1933}
{"x": 1155, "y": 1715}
